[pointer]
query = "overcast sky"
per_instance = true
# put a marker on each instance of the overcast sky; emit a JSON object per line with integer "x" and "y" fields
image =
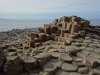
{"x": 31, "y": 9}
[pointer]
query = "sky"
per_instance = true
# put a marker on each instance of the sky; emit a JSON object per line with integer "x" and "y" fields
{"x": 49, "y": 9}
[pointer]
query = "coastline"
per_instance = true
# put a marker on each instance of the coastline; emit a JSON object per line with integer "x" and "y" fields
{"x": 14, "y": 34}
{"x": 70, "y": 45}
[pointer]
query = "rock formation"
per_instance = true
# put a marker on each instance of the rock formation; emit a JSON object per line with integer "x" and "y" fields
{"x": 67, "y": 46}
{"x": 2, "y": 60}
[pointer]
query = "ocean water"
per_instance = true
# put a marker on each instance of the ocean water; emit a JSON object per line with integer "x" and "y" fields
{"x": 95, "y": 22}
{"x": 21, "y": 24}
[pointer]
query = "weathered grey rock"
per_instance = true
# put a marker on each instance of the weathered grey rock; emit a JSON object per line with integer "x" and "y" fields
{"x": 46, "y": 49}
{"x": 37, "y": 44}
{"x": 61, "y": 50}
{"x": 88, "y": 37}
{"x": 34, "y": 52}
{"x": 13, "y": 66}
{"x": 41, "y": 48}
{"x": 61, "y": 72}
{"x": 97, "y": 70}
{"x": 66, "y": 35}
{"x": 19, "y": 51}
{"x": 87, "y": 41}
{"x": 85, "y": 23}
{"x": 25, "y": 46}
{"x": 63, "y": 31}
{"x": 82, "y": 48}
{"x": 82, "y": 55}
{"x": 84, "y": 44}
{"x": 53, "y": 28}
{"x": 76, "y": 44}
{"x": 53, "y": 50}
{"x": 41, "y": 30}
{"x": 86, "y": 52}
{"x": 15, "y": 59}
{"x": 97, "y": 50}
{"x": 12, "y": 49}
{"x": 78, "y": 59}
{"x": 4, "y": 46}
{"x": 52, "y": 66}
{"x": 93, "y": 45}
{"x": 48, "y": 43}
{"x": 58, "y": 46}
{"x": 32, "y": 43}
{"x": 37, "y": 40}
{"x": 42, "y": 37}
{"x": 53, "y": 37}
{"x": 74, "y": 73}
{"x": 83, "y": 70}
{"x": 78, "y": 49}
{"x": 75, "y": 28}
{"x": 47, "y": 29}
{"x": 56, "y": 38}
{"x": 56, "y": 54}
{"x": 82, "y": 34}
{"x": 49, "y": 37}
{"x": 26, "y": 52}
{"x": 89, "y": 49}
{"x": 57, "y": 50}
{"x": 65, "y": 19}
{"x": 30, "y": 63}
{"x": 59, "y": 25}
{"x": 64, "y": 25}
{"x": 34, "y": 35}
{"x": 67, "y": 42}
{"x": 75, "y": 18}
{"x": 95, "y": 42}
{"x": 69, "y": 25}
{"x": 80, "y": 40}
{"x": 12, "y": 54}
{"x": 2, "y": 60}
{"x": 71, "y": 50}
{"x": 91, "y": 61}
{"x": 96, "y": 37}
{"x": 78, "y": 64}
{"x": 46, "y": 73}
{"x": 68, "y": 67}
{"x": 66, "y": 58}
{"x": 73, "y": 36}
{"x": 61, "y": 39}
{"x": 95, "y": 55}
{"x": 43, "y": 58}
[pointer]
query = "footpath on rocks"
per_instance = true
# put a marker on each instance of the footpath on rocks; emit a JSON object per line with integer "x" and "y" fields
{"x": 67, "y": 46}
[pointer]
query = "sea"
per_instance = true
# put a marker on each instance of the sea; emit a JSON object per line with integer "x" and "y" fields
{"x": 6, "y": 25}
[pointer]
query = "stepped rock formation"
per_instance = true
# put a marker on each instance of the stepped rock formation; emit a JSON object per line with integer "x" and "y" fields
{"x": 67, "y": 46}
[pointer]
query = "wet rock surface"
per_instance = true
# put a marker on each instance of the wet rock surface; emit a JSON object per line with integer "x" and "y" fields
{"x": 68, "y": 46}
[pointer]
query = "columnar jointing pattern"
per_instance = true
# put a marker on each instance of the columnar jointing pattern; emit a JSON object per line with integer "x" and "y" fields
{"x": 67, "y": 46}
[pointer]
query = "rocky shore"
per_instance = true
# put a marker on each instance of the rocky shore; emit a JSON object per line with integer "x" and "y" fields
{"x": 14, "y": 34}
{"x": 67, "y": 46}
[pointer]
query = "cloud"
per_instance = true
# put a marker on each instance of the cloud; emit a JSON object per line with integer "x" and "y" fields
{"x": 48, "y": 6}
